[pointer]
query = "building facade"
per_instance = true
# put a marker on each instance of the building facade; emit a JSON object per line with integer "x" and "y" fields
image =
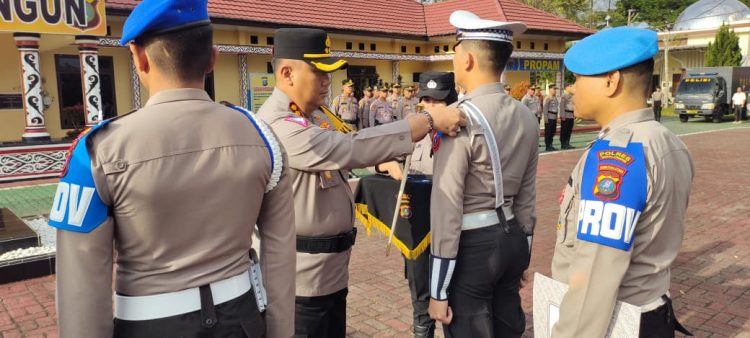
{"x": 60, "y": 75}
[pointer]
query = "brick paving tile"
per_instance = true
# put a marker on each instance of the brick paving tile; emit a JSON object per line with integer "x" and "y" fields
{"x": 710, "y": 281}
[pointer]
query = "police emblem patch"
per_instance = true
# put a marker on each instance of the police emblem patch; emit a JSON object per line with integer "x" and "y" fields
{"x": 608, "y": 182}
{"x": 70, "y": 151}
{"x": 405, "y": 208}
{"x": 432, "y": 84}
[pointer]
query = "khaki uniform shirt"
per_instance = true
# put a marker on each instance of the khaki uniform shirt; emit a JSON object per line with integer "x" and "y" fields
{"x": 323, "y": 201}
{"x": 532, "y": 102}
{"x": 396, "y": 103}
{"x": 406, "y": 107}
{"x": 657, "y": 96}
{"x": 345, "y": 107}
{"x": 566, "y": 106}
{"x": 184, "y": 178}
{"x": 364, "y": 112}
{"x": 421, "y": 158}
{"x": 599, "y": 275}
{"x": 551, "y": 107}
{"x": 462, "y": 170}
{"x": 380, "y": 112}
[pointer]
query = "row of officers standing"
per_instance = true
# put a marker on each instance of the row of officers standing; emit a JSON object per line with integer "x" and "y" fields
{"x": 156, "y": 208}
{"x": 379, "y": 105}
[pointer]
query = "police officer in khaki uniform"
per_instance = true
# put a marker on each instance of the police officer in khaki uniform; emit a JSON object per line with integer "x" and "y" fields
{"x": 345, "y": 105}
{"x": 482, "y": 203}
{"x": 364, "y": 108}
{"x": 567, "y": 119}
{"x": 622, "y": 214}
{"x": 408, "y": 103}
{"x": 551, "y": 107}
{"x": 396, "y": 99}
{"x": 174, "y": 189}
{"x": 380, "y": 109}
{"x": 531, "y": 101}
{"x": 319, "y": 155}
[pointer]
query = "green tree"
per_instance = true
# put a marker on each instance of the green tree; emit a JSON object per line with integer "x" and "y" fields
{"x": 657, "y": 13}
{"x": 573, "y": 10}
{"x": 724, "y": 50}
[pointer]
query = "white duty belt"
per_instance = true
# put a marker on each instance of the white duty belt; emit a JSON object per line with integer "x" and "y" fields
{"x": 170, "y": 304}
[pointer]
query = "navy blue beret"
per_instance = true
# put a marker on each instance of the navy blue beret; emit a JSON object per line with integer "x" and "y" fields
{"x": 161, "y": 16}
{"x": 611, "y": 49}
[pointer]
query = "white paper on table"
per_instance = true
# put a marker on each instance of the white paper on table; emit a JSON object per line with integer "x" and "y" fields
{"x": 548, "y": 294}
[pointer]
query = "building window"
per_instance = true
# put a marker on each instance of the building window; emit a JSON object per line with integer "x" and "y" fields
{"x": 348, "y": 45}
{"x": 415, "y": 77}
{"x": 446, "y": 48}
{"x": 269, "y": 40}
{"x": 253, "y": 39}
{"x": 269, "y": 68}
{"x": 437, "y": 49}
{"x": 418, "y": 50}
{"x": 531, "y": 45}
{"x": 70, "y": 92}
{"x": 403, "y": 49}
{"x": 373, "y": 47}
{"x": 109, "y": 30}
{"x": 518, "y": 44}
{"x": 546, "y": 46}
{"x": 361, "y": 46}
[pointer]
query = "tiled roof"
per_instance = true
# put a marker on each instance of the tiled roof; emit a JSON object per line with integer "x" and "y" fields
{"x": 436, "y": 16}
{"x": 401, "y": 17}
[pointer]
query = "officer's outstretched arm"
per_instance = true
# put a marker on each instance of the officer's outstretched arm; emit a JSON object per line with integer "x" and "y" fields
{"x": 594, "y": 279}
{"x": 278, "y": 256}
{"x": 84, "y": 282}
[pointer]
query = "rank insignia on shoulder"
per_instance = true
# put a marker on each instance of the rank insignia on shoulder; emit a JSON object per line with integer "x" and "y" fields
{"x": 325, "y": 125}
{"x": 298, "y": 120}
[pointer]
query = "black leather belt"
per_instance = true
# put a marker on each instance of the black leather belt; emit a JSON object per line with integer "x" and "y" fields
{"x": 568, "y": 111}
{"x": 327, "y": 244}
{"x": 350, "y": 121}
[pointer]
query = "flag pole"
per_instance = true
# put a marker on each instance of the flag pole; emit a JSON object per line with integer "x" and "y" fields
{"x": 407, "y": 166}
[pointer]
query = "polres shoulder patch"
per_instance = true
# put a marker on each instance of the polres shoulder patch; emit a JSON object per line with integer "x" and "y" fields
{"x": 613, "y": 194}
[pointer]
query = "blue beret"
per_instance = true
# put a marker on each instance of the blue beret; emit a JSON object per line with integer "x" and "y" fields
{"x": 611, "y": 49}
{"x": 162, "y": 16}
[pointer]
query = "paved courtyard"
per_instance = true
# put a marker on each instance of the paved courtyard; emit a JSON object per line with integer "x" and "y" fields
{"x": 710, "y": 283}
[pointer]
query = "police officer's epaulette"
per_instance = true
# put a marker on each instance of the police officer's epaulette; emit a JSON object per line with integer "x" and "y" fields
{"x": 77, "y": 205}
{"x": 274, "y": 149}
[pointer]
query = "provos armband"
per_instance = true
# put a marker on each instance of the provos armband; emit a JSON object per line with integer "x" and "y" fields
{"x": 271, "y": 143}
{"x": 441, "y": 272}
{"x": 77, "y": 205}
{"x": 613, "y": 194}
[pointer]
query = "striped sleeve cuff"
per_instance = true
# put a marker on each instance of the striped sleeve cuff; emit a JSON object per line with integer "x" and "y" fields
{"x": 441, "y": 272}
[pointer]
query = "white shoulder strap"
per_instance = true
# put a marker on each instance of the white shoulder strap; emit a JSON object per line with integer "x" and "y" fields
{"x": 497, "y": 173}
{"x": 277, "y": 161}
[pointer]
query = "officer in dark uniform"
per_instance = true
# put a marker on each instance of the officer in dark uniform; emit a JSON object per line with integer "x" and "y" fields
{"x": 174, "y": 190}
